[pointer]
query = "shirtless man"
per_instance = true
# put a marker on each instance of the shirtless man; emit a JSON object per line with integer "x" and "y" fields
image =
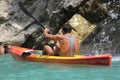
{"x": 66, "y": 44}
{"x": 1, "y": 49}
{"x": 5, "y": 49}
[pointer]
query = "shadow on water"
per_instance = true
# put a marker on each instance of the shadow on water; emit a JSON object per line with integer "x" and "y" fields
{"x": 69, "y": 66}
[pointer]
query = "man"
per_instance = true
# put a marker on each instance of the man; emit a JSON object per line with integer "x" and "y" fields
{"x": 1, "y": 49}
{"x": 7, "y": 48}
{"x": 66, "y": 44}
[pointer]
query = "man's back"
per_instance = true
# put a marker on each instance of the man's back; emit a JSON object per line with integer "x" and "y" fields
{"x": 69, "y": 45}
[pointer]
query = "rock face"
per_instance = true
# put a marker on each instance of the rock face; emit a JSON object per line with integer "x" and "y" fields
{"x": 22, "y": 30}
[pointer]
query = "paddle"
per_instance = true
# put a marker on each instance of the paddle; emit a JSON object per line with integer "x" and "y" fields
{"x": 21, "y": 5}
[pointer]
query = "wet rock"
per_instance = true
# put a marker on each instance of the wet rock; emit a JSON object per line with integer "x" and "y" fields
{"x": 20, "y": 29}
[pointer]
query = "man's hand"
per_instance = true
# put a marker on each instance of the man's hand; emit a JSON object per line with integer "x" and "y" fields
{"x": 47, "y": 30}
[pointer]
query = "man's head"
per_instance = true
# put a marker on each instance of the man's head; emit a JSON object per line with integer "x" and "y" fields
{"x": 66, "y": 28}
{"x": 7, "y": 48}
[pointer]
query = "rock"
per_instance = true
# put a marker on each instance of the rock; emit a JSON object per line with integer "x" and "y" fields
{"x": 19, "y": 29}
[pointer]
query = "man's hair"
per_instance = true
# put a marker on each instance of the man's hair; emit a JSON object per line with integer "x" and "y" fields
{"x": 67, "y": 28}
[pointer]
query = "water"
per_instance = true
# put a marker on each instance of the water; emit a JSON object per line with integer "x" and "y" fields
{"x": 11, "y": 69}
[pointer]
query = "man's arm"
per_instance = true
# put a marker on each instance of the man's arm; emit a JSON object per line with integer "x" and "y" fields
{"x": 49, "y": 36}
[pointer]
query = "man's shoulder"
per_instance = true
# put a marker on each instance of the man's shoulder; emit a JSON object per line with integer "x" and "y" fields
{"x": 59, "y": 36}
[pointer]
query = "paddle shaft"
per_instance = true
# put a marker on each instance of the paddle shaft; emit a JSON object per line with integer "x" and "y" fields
{"x": 21, "y": 5}
{"x": 29, "y": 14}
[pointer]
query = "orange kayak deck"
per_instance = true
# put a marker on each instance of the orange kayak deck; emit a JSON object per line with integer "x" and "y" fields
{"x": 102, "y": 59}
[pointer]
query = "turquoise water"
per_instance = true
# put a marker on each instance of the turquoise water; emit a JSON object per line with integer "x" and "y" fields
{"x": 11, "y": 69}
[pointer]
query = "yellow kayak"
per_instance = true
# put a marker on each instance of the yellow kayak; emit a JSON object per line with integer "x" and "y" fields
{"x": 102, "y": 59}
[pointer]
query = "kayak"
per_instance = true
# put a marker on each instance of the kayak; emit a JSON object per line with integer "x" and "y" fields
{"x": 102, "y": 59}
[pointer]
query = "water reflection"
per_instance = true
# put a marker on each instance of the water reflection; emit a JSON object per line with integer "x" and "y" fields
{"x": 69, "y": 66}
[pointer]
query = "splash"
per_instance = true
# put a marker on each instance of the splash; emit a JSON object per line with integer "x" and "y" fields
{"x": 116, "y": 58}
{"x": 113, "y": 15}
